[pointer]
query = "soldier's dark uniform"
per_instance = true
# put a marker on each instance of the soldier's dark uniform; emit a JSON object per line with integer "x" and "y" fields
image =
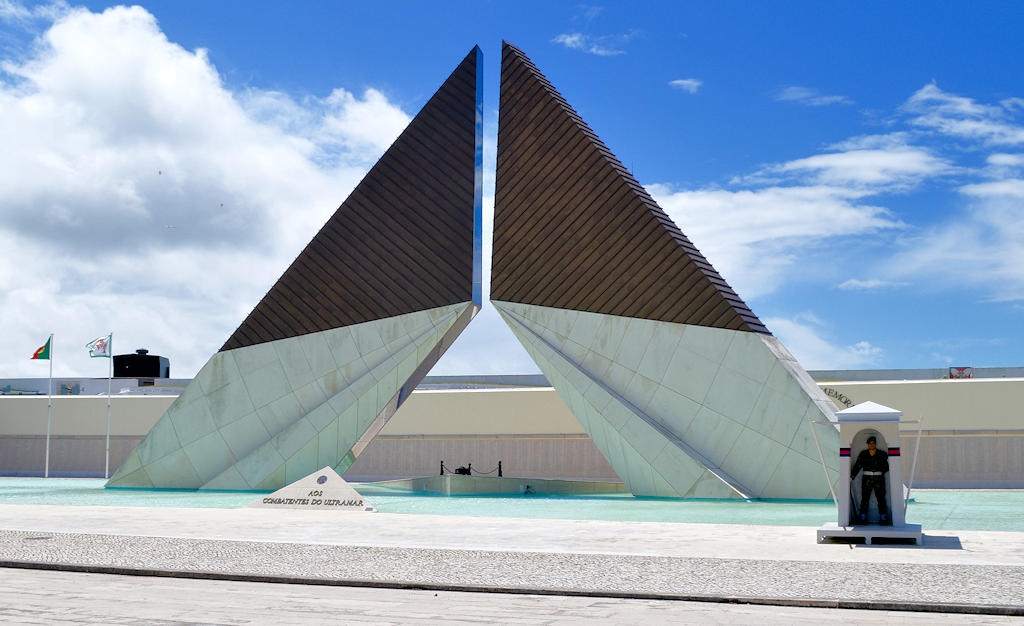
{"x": 875, "y": 467}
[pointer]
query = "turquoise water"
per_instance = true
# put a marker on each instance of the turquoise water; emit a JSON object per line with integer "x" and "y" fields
{"x": 934, "y": 509}
{"x": 90, "y": 491}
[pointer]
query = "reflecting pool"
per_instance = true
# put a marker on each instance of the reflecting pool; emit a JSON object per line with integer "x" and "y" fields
{"x": 933, "y": 508}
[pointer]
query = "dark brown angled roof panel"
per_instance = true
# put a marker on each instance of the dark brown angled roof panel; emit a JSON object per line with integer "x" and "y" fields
{"x": 574, "y": 230}
{"x": 403, "y": 241}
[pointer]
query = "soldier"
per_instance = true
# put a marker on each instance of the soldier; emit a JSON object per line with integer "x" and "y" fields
{"x": 875, "y": 464}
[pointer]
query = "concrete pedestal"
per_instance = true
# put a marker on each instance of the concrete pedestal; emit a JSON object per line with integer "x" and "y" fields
{"x": 869, "y": 532}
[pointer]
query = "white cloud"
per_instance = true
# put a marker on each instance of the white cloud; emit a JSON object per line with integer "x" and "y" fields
{"x": 142, "y": 196}
{"x": 983, "y": 247}
{"x": 362, "y": 126}
{"x": 753, "y": 236}
{"x": 900, "y": 166}
{"x": 933, "y": 109}
{"x": 980, "y": 245}
{"x": 894, "y": 140}
{"x": 1006, "y": 160}
{"x": 1007, "y": 189}
{"x": 689, "y": 85}
{"x": 816, "y": 352}
{"x": 603, "y": 45}
{"x": 11, "y": 10}
{"x": 1002, "y": 166}
{"x": 808, "y": 96}
{"x": 586, "y": 43}
{"x": 757, "y": 232}
{"x": 1012, "y": 104}
{"x": 876, "y": 163}
{"x": 588, "y": 13}
{"x": 854, "y": 284}
{"x": 487, "y": 346}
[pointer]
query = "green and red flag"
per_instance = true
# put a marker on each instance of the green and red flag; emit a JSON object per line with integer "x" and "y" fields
{"x": 43, "y": 353}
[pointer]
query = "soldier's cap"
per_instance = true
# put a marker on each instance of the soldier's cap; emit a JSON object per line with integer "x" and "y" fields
{"x": 872, "y": 439}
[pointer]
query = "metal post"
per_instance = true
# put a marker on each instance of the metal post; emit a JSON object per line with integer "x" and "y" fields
{"x": 828, "y": 479}
{"x": 49, "y": 411}
{"x": 110, "y": 376}
{"x": 442, "y": 468}
{"x": 499, "y": 469}
{"x": 913, "y": 466}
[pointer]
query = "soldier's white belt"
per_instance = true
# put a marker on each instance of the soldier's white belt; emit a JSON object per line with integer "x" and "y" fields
{"x": 866, "y": 473}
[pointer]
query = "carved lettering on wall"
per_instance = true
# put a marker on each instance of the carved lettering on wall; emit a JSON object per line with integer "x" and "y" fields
{"x": 838, "y": 398}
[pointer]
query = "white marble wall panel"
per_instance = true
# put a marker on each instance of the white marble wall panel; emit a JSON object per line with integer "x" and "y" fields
{"x": 242, "y": 436}
{"x": 797, "y": 477}
{"x": 628, "y": 438}
{"x": 209, "y": 455}
{"x": 689, "y": 374}
{"x": 194, "y": 421}
{"x": 753, "y": 459}
{"x": 735, "y": 405}
{"x": 713, "y": 435}
{"x": 340, "y": 421}
{"x": 255, "y": 416}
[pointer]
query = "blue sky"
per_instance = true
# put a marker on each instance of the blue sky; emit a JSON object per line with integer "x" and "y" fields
{"x": 855, "y": 171}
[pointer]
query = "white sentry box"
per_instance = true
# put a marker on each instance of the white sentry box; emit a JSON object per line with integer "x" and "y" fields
{"x": 856, "y": 424}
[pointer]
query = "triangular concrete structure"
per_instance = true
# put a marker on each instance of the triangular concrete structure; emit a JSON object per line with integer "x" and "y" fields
{"x": 403, "y": 241}
{"x": 678, "y": 383}
{"x": 574, "y": 230}
{"x": 350, "y": 328}
{"x": 323, "y": 490}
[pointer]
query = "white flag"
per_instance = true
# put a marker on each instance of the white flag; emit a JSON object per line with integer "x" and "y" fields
{"x": 100, "y": 346}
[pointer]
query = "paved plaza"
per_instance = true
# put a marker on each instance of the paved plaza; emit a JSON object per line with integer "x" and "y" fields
{"x": 598, "y": 568}
{"x": 40, "y": 597}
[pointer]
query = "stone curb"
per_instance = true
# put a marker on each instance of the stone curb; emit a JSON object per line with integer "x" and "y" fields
{"x": 920, "y": 607}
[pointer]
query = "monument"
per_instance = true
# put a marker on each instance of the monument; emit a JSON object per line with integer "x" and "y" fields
{"x": 351, "y": 327}
{"x": 677, "y": 382}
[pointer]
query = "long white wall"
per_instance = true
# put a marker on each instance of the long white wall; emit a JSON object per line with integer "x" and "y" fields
{"x": 978, "y": 404}
{"x": 969, "y": 404}
{"x": 973, "y": 431}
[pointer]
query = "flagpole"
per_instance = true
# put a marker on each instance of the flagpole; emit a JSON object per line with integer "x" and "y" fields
{"x": 49, "y": 409}
{"x": 110, "y": 376}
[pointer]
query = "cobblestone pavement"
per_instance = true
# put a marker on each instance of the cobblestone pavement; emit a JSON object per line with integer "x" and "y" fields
{"x": 948, "y": 584}
{"x": 952, "y": 572}
{"x": 43, "y": 597}
{"x": 738, "y": 541}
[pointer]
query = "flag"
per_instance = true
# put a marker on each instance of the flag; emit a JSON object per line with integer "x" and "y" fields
{"x": 99, "y": 347}
{"x": 43, "y": 353}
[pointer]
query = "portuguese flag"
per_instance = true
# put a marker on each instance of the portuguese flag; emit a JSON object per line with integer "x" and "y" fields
{"x": 43, "y": 353}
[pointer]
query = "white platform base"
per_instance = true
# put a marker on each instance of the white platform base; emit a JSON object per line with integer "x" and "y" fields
{"x": 871, "y": 531}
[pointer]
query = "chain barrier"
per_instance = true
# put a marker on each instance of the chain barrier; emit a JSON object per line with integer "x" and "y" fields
{"x": 469, "y": 470}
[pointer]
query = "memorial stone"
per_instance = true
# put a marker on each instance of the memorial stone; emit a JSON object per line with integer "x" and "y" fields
{"x": 324, "y": 490}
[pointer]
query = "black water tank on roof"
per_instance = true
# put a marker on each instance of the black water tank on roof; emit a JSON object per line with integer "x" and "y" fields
{"x": 142, "y": 364}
